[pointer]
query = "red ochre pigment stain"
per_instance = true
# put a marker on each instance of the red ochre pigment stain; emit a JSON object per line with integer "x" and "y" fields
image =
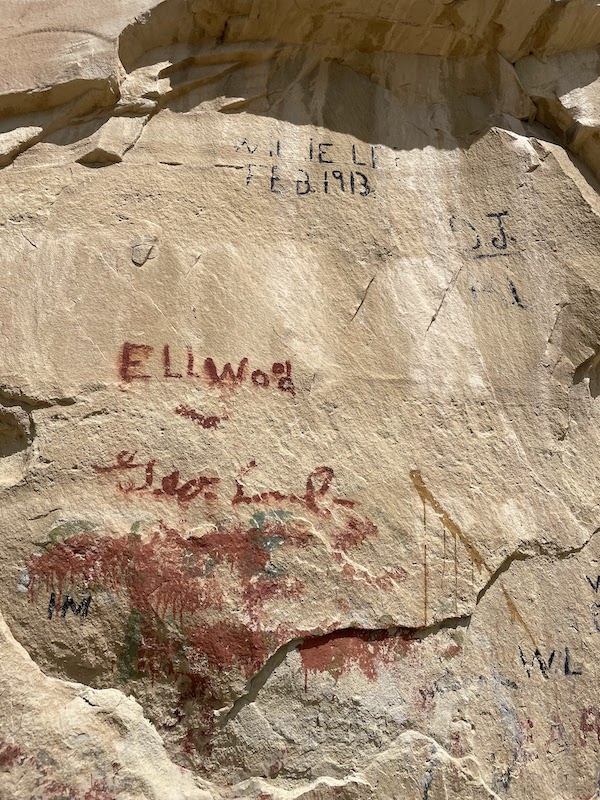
{"x": 57, "y": 789}
{"x": 227, "y": 644}
{"x": 168, "y": 572}
{"x": 164, "y": 573}
{"x": 340, "y": 652}
{"x": 47, "y": 787}
{"x": 9, "y": 755}
{"x": 98, "y": 792}
{"x": 354, "y": 534}
{"x": 172, "y": 581}
{"x": 387, "y": 581}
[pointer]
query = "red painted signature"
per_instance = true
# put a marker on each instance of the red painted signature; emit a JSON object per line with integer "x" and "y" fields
{"x": 317, "y": 496}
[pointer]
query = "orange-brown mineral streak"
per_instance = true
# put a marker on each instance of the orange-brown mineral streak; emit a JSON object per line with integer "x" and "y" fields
{"x": 427, "y": 497}
{"x": 476, "y": 557}
{"x": 425, "y": 562}
{"x": 444, "y": 557}
{"x": 425, "y": 580}
{"x": 515, "y": 614}
{"x": 456, "y": 573}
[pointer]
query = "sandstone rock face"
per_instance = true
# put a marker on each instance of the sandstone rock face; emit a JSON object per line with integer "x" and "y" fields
{"x": 299, "y": 417}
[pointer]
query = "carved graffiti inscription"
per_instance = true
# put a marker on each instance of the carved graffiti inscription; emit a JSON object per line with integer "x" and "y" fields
{"x": 545, "y": 664}
{"x": 326, "y": 168}
{"x": 491, "y": 240}
{"x": 595, "y": 607}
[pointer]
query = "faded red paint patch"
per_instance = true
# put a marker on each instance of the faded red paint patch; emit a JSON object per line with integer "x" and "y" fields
{"x": 10, "y": 754}
{"x": 99, "y": 792}
{"x": 48, "y": 787}
{"x": 247, "y": 550}
{"x": 83, "y": 558}
{"x": 452, "y": 650}
{"x": 228, "y": 645}
{"x": 455, "y": 746}
{"x": 56, "y": 790}
{"x": 589, "y": 723}
{"x": 425, "y": 699}
{"x": 341, "y": 651}
{"x": 257, "y": 593}
{"x": 172, "y": 573}
{"x": 168, "y": 572}
{"x": 354, "y": 534}
{"x": 168, "y": 580}
{"x": 174, "y": 584}
{"x": 387, "y": 581}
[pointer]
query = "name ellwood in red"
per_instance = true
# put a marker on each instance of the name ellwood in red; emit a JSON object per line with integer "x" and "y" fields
{"x": 140, "y": 362}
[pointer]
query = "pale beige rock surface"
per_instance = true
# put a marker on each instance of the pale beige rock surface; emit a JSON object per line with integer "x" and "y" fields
{"x": 299, "y": 426}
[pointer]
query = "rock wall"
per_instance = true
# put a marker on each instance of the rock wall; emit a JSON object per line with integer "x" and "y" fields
{"x": 299, "y": 428}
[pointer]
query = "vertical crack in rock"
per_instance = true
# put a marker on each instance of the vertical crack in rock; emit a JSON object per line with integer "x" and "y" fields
{"x": 364, "y": 297}
{"x": 447, "y": 290}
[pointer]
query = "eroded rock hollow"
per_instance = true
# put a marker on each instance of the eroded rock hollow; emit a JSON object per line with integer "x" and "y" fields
{"x": 299, "y": 424}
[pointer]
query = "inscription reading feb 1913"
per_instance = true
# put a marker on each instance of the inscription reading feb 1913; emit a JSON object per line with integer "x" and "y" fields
{"x": 319, "y": 168}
